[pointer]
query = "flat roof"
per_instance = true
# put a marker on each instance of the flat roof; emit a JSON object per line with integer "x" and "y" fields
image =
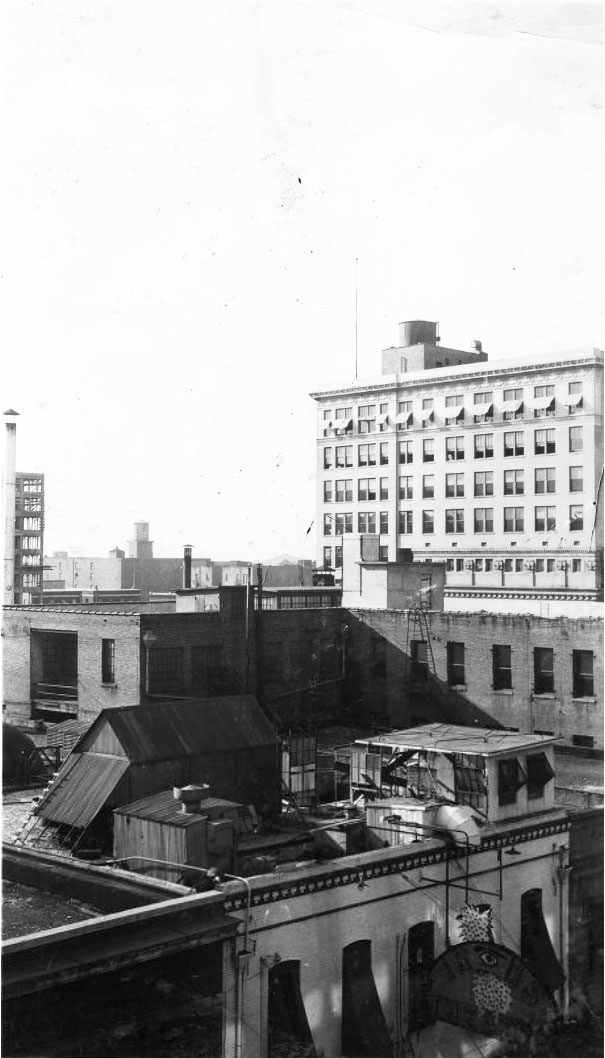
{"x": 455, "y": 738}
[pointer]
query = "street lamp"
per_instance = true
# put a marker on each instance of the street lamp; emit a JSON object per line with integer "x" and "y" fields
{"x": 149, "y": 639}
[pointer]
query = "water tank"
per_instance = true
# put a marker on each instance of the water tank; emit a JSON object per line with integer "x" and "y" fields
{"x": 418, "y": 332}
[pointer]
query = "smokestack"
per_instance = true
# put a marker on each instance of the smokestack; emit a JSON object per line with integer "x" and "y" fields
{"x": 9, "y": 500}
{"x": 187, "y": 552}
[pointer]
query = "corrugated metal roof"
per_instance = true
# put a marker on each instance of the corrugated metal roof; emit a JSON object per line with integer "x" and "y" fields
{"x": 90, "y": 780}
{"x": 67, "y": 729}
{"x": 164, "y": 808}
{"x": 168, "y": 730}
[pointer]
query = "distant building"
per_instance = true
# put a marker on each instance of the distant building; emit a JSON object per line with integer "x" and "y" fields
{"x": 493, "y": 468}
{"x": 23, "y": 501}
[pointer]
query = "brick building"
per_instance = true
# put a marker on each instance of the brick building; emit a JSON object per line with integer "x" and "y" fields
{"x": 494, "y": 468}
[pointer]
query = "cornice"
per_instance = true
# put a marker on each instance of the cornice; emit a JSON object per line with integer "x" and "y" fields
{"x": 439, "y": 375}
{"x": 342, "y": 874}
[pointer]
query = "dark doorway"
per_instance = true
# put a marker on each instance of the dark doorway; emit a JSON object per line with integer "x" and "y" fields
{"x": 536, "y": 945}
{"x": 364, "y": 1029}
{"x": 421, "y": 954}
{"x": 289, "y": 1035}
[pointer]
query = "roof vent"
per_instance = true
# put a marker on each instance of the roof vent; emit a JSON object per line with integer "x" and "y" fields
{"x": 191, "y": 797}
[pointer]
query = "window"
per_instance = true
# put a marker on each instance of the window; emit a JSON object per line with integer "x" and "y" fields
{"x": 406, "y": 520}
{"x": 384, "y": 522}
{"x": 404, "y": 407}
{"x": 583, "y": 677}
{"x": 366, "y": 418}
{"x": 514, "y": 443}
{"x": 454, "y": 413}
{"x": 406, "y": 488}
{"x": 576, "y": 441}
{"x": 539, "y": 773}
{"x": 539, "y": 565}
{"x": 484, "y": 519}
{"x": 428, "y": 450}
{"x": 576, "y": 479}
{"x": 536, "y": 946}
{"x": 544, "y": 681}
{"x": 362, "y": 1017}
{"x": 576, "y": 565}
{"x": 343, "y": 523}
{"x": 513, "y": 394}
{"x": 501, "y": 668}
{"x": 328, "y": 519}
{"x": 544, "y": 442}
{"x": 550, "y": 565}
{"x": 384, "y": 488}
{"x": 367, "y": 455}
{"x": 338, "y": 557}
{"x": 427, "y": 403}
{"x": 383, "y": 553}
{"x": 513, "y": 519}
{"x": 108, "y": 660}
{"x": 428, "y": 486}
{"x": 455, "y": 401}
{"x": 406, "y": 452}
{"x": 483, "y": 409}
{"x": 455, "y": 664}
{"x": 366, "y": 411}
{"x": 576, "y": 517}
{"x": 384, "y": 408}
{"x": 454, "y": 448}
{"x": 545, "y": 519}
{"x": 454, "y": 484}
{"x": 428, "y": 521}
{"x": 575, "y": 387}
{"x": 484, "y": 446}
{"x": 366, "y": 522}
{"x": 454, "y": 521}
{"x": 344, "y": 456}
{"x": 327, "y": 558}
{"x": 384, "y": 453}
{"x": 484, "y": 483}
{"x": 344, "y": 490}
{"x": 421, "y": 952}
{"x": 510, "y": 780}
{"x": 544, "y": 479}
{"x": 33, "y": 525}
{"x": 328, "y": 494}
{"x": 273, "y": 657}
{"x": 544, "y": 401}
{"x": 513, "y": 483}
{"x": 328, "y": 457}
{"x": 366, "y": 489}
{"x": 166, "y": 665}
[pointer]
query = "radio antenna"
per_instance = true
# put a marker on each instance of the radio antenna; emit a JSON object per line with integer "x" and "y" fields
{"x": 356, "y": 263}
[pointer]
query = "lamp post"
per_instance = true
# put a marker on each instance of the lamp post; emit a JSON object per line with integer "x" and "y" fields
{"x": 149, "y": 639}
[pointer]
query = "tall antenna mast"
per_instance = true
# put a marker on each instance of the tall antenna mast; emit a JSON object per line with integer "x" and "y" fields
{"x": 356, "y": 262}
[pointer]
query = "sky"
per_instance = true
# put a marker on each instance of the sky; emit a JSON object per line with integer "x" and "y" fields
{"x": 186, "y": 188}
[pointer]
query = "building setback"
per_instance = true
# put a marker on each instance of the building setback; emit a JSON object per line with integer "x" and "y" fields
{"x": 494, "y": 468}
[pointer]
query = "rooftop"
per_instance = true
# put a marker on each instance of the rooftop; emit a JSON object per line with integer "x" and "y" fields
{"x": 454, "y": 738}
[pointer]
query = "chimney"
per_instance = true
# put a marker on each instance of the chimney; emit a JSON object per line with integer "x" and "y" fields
{"x": 477, "y": 346}
{"x": 187, "y": 551}
{"x": 191, "y": 797}
{"x": 9, "y": 500}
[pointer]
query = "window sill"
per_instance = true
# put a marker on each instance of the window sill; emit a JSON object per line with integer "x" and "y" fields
{"x": 457, "y": 686}
{"x": 503, "y": 690}
{"x": 110, "y": 686}
{"x": 587, "y": 700}
{"x": 544, "y": 694}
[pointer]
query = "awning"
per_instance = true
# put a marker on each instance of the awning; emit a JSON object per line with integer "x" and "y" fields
{"x": 543, "y": 403}
{"x": 428, "y": 416}
{"x": 405, "y": 419}
{"x": 343, "y": 424}
{"x": 455, "y": 413}
{"x": 81, "y": 789}
{"x": 574, "y": 400}
{"x": 512, "y": 405}
{"x": 383, "y": 420}
{"x": 482, "y": 409}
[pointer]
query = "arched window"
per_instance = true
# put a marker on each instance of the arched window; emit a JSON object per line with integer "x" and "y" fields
{"x": 288, "y": 1030}
{"x": 364, "y": 1029}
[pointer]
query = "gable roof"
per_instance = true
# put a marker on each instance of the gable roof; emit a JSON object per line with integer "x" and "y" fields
{"x": 90, "y": 781}
{"x": 185, "y": 728}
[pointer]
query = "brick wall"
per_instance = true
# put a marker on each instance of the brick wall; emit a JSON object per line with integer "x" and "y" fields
{"x": 383, "y": 671}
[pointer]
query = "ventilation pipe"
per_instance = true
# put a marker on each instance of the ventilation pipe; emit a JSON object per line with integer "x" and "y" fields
{"x": 191, "y": 797}
{"x": 187, "y": 566}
